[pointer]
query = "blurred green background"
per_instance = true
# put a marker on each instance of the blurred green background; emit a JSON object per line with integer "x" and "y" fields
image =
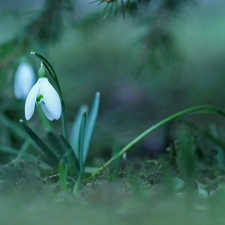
{"x": 163, "y": 57}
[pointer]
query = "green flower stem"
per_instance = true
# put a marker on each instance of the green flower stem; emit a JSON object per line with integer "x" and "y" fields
{"x": 45, "y": 121}
{"x": 52, "y": 72}
{"x": 192, "y": 110}
{"x": 63, "y": 119}
{"x": 78, "y": 183}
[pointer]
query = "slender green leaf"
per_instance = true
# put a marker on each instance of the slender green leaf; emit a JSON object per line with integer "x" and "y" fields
{"x": 90, "y": 124}
{"x": 50, "y": 155}
{"x": 8, "y": 150}
{"x": 12, "y": 151}
{"x": 82, "y": 136}
{"x": 100, "y": 2}
{"x": 16, "y": 129}
{"x": 24, "y": 148}
{"x": 105, "y": 8}
{"x": 75, "y": 133}
{"x": 13, "y": 126}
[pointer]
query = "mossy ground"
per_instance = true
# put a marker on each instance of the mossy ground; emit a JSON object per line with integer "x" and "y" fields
{"x": 149, "y": 196}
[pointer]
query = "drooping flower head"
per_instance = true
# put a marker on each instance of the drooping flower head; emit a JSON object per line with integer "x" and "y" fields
{"x": 24, "y": 80}
{"x": 43, "y": 93}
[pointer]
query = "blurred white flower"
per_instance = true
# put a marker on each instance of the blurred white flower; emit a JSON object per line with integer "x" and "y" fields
{"x": 24, "y": 80}
{"x": 43, "y": 93}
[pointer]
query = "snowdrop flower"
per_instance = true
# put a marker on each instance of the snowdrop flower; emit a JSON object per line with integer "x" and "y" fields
{"x": 24, "y": 80}
{"x": 43, "y": 93}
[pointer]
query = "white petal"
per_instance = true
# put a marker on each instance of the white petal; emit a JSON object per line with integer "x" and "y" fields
{"x": 24, "y": 80}
{"x": 31, "y": 100}
{"x": 51, "y": 98}
{"x": 46, "y": 112}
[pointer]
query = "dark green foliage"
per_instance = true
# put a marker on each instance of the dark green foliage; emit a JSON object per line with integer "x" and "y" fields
{"x": 47, "y": 27}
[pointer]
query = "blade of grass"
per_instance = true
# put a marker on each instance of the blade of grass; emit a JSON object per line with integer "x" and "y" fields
{"x": 13, "y": 151}
{"x": 8, "y": 150}
{"x": 23, "y": 149}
